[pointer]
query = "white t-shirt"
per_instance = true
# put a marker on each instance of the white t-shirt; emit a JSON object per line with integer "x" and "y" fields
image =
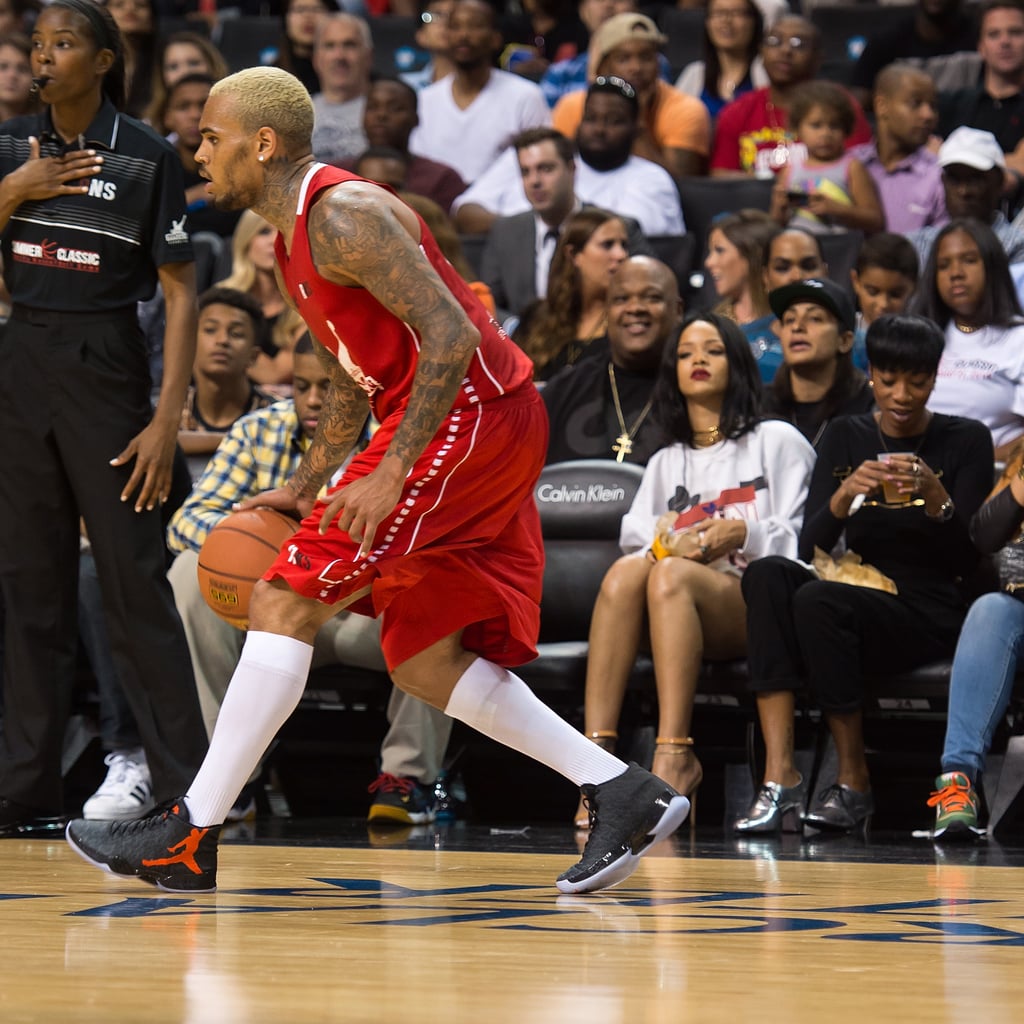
{"x": 639, "y": 189}
{"x": 470, "y": 140}
{"x": 981, "y": 376}
{"x": 338, "y": 129}
{"x": 761, "y": 478}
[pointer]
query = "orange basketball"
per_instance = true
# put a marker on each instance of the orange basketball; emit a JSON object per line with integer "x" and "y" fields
{"x": 236, "y": 553}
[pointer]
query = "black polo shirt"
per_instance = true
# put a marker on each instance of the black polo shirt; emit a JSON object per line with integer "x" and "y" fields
{"x": 976, "y": 108}
{"x": 100, "y": 251}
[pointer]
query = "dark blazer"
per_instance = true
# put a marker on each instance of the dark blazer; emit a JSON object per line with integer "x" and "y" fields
{"x": 507, "y": 265}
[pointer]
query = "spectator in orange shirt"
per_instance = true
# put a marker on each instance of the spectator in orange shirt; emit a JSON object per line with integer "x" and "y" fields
{"x": 675, "y": 128}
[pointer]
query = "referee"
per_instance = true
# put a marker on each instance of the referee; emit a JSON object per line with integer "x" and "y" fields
{"x": 92, "y": 215}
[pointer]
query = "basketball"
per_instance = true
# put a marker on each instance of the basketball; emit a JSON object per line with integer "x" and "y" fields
{"x": 236, "y": 553}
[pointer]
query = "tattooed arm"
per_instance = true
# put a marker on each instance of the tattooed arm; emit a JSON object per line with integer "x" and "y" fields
{"x": 361, "y": 236}
{"x": 341, "y": 422}
{"x": 340, "y": 425}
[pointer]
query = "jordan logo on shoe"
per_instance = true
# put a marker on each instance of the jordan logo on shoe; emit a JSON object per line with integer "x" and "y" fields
{"x": 188, "y": 847}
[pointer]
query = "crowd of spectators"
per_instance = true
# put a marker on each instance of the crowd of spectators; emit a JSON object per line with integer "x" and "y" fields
{"x": 551, "y": 152}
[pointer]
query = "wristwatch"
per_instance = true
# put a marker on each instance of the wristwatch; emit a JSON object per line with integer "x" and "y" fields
{"x": 945, "y": 512}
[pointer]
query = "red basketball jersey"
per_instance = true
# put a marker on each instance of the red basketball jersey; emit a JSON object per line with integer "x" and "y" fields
{"x": 374, "y": 346}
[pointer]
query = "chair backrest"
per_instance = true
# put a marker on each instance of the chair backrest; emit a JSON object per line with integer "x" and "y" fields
{"x": 704, "y": 199}
{"x": 679, "y": 252}
{"x": 685, "y": 30}
{"x": 840, "y": 252}
{"x": 394, "y": 44}
{"x": 581, "y": 505}
{"x": 845, "y": 28}
{"x": 248, "y": 41}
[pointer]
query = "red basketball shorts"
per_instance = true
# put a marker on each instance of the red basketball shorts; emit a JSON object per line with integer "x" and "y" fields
{"x": 462, "y": 549}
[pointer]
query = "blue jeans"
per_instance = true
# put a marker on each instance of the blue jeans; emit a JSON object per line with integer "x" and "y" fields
{"x": 983, "y": 672}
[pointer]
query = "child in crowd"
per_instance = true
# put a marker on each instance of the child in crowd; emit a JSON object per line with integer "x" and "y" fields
{"x": 823, "y": 186}
{"x": 883, "y": 278}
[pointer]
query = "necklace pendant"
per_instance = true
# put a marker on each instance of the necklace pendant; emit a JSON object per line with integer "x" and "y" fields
{"x": 623, "y": 446}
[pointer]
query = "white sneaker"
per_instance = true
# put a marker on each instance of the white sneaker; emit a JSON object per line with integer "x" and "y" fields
{"x": 126, "y": 793}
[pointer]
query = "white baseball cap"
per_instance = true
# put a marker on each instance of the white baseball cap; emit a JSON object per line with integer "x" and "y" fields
{"x": 973, "y": 148}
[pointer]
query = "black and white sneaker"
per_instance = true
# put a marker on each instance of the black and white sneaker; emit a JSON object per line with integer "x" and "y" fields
{"x": 628, "y": 815}
{"x": 165, "y": 849}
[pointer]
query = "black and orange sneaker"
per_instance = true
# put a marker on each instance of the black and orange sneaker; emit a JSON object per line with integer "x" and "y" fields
{"x": 400, "y": 800}
{"x": 165, "y": 849}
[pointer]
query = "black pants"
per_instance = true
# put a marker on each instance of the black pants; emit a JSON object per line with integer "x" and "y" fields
{"x": 803, "y": 632}
{"x": 73, "y": 391}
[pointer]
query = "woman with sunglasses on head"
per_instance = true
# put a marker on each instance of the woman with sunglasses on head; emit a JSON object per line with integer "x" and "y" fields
{"x": 966, "y": 288}
{"x": 898, "y": 488}
{"x": 92, "y": 217}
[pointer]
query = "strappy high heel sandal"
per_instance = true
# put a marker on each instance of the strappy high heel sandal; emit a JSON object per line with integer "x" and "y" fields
{"x": 682, "y": 747}
{"x": 605, "y": 739}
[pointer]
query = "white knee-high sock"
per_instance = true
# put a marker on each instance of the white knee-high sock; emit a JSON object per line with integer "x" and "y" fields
{"x": 264, "y": 691}
{"x": 500, "y": 705}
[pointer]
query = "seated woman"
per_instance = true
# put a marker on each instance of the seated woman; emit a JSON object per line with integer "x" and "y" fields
{"x": 737, "y": 244}
{"x": 732, "y": 64}
{"x": 817, "y": 380}
{"x": 178, "y": 55}
{"x": 898, "y": 487}
{"x": 987, "y": 657}
{"x": 735, "y": 488}
{"x": 556, "y": 331}
{"x": 967, "y": 290}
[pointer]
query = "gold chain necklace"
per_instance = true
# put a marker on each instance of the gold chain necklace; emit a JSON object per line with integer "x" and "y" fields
{"x": 706, "y": 438}
{"x": 624, "y": 442}
{"x": 965, "y": 328}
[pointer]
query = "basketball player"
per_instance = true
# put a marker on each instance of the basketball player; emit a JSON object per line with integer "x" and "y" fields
{"x": 433, "y": 526}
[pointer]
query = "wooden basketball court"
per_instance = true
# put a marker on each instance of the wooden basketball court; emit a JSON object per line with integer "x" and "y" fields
{"x": 472, "y": 930}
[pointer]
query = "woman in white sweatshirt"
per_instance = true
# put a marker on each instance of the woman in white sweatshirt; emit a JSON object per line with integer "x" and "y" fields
{"x": 736, "y": 488}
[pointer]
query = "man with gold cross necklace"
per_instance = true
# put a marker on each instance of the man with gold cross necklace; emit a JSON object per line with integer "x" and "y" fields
{"x": 599, "y": 408}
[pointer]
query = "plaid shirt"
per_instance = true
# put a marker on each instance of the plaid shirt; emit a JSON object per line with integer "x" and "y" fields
{"x": 260, "y": 452}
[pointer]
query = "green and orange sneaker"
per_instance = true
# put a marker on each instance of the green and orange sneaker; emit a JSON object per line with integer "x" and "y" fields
{"x": 165, "y": 849}
{"x": 956, "y": 807}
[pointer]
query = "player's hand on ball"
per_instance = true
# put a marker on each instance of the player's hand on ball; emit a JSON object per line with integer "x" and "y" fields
{"x": 284, "y": 499}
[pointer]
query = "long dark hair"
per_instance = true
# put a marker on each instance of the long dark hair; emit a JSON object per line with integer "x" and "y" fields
{"x": 713, "y": 66}
{"x": 741, "y": 406}
{"x": 557, "y": 317}
{"x": 846, "y": 384}
{"x": 107, "y": 36}
{"x": 999, "y": 307}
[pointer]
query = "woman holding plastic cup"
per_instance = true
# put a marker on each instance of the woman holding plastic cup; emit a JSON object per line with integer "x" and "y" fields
{"x": 897, "y": 487}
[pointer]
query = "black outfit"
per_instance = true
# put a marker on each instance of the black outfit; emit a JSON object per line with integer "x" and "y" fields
{"x": 74, "y": 389}
{"x": 902, "y": 43}
{"x": 811, "y": 418}
{"x": 581, "y": 409}
{"x": 975, "y": 108}
{"x": 802, "y": 630}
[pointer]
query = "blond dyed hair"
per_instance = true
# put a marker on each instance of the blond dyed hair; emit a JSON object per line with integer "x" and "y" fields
{"x": 266, "y": 97}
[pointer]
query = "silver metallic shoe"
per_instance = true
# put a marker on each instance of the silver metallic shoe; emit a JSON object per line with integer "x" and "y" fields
{"x": 841, "y": 808}
{"x": 776, "y": 808}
